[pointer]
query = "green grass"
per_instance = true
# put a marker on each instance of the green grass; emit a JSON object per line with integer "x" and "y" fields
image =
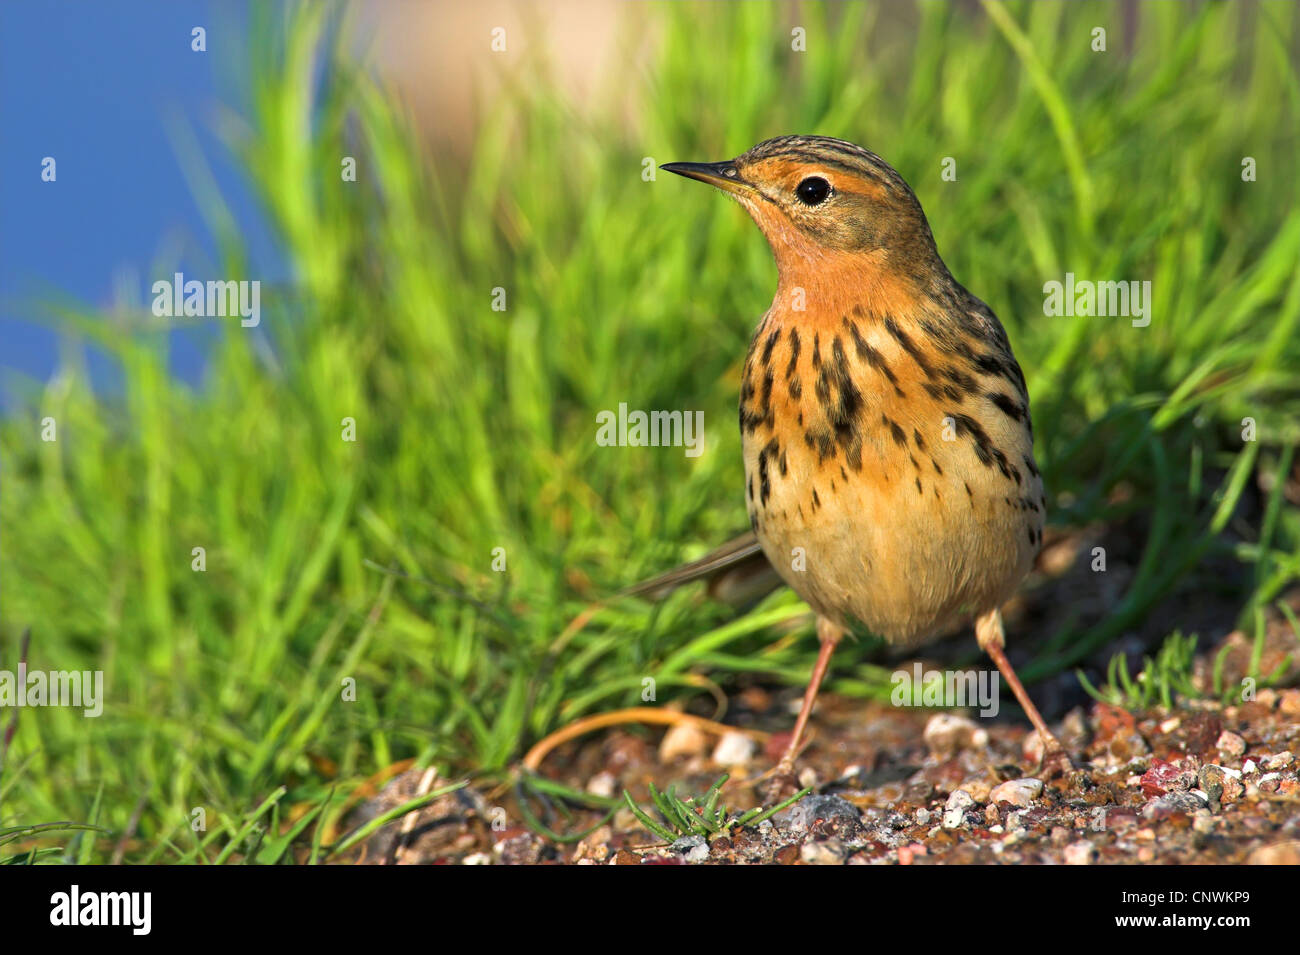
{"x": 701, "y": 816}
{"x": 1168, "y": 678}
{"x": 371, "y": 560}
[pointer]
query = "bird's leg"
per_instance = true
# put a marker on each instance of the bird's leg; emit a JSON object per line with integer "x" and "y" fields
{"x": 829, "y": 633}
{"x": 990, "y": 636}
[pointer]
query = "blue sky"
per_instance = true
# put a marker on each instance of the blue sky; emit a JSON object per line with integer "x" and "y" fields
{"x": 102, "y": 88}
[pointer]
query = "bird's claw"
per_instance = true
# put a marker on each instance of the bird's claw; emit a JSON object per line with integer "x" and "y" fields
{"x": 1054, "y": 762}
{"x": 781, "y": 785}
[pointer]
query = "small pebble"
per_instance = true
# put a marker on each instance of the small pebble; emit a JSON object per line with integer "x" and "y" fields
{"x": 907, "y": 853}
{"x": 978, "y": 789}
{"x": 1231, "y": 744}
{"x": 602, "y": 784}
{"x": 734, "y": 749}
{"x": 1279, "y": 760}
{"x": 954, "y": 811}
{"x": 1289, "y": 703}
{"x": 682, "y": 739}
{"x": 918, "y": 791}
{"x": 808, "y": 778}
{"x": 946, "y": 734}
{"x": 1211, "y": 778}
{"x": 1164, "y": 777}
{"x": 826, "y": 852}
{"x": 787, "y": 855}
{"x": 1017, "y": 792}
{"x": 519, "y": 847}
{"x": 923, "y": 817}
{"x": 1280, "y": 853}
{"x": 692, "y": 848}
{"x": 477, "y": 858}
{"x": 1249, "y": 767}
{"x": 826, "y": 815}
{"x": 1079, "y": 853}
{"x": 595, "y": 848}
{"x": 1164, "y": 806}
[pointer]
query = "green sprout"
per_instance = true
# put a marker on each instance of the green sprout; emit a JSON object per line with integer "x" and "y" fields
{"x": 1169, "y": 676}
{"x": 705, "y": 817}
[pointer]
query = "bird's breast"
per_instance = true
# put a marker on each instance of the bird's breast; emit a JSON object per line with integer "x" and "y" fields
{"x": 889, "y": 468}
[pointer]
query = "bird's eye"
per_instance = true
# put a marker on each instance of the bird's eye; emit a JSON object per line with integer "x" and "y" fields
{"x": 813, "y": 191}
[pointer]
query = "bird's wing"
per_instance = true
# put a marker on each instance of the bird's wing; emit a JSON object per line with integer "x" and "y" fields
{"x": 737, "y": 572}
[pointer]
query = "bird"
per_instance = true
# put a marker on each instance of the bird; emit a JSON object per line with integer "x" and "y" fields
{"x": 889, "y": 467}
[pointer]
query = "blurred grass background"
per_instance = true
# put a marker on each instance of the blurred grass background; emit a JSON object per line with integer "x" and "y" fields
{"x": 475, "y": 428}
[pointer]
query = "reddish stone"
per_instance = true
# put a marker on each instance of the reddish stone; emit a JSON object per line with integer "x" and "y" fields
{"x": 1164, "y": 777}
{"x": 1201, "y": 732}
{"x": 1111, "y": 720}
{"x": 787, "y": 855}
{"x": 908, "y": 854}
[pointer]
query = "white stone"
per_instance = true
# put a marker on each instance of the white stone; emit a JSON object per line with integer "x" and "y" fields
{"x": 734, "y": 749}
{"x": 954, "y": 812}
{"x": 1017, "y": 792}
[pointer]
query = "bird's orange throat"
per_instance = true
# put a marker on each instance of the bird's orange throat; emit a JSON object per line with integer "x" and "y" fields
{"x": 819, "y": 284}
{"x": 812, "y": 291}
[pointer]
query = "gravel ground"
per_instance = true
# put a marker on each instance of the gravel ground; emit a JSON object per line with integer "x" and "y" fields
{"x": 1205, "y": 783}
{"x": 1201, "y": 783}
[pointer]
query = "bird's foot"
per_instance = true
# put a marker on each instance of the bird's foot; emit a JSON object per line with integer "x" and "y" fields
{"x": 780, "y": 785}
{"x": 1054, "y": 761}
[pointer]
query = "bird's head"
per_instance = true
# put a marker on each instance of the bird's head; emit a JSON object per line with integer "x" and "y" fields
{"x": 820, "y": 200}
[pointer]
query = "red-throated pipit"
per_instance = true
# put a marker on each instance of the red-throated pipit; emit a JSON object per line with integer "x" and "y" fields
{"x": 885, "y": 422}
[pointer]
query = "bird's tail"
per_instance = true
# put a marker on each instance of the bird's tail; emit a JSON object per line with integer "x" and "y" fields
{"x": 738, "y": 572}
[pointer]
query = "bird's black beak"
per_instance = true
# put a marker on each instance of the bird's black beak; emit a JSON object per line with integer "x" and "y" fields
{"x": 724, "y": 175}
